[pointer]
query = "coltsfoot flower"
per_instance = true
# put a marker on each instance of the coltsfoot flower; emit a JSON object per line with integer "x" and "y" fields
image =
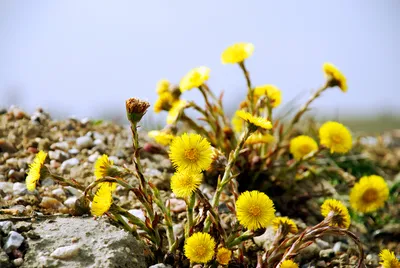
{"x": 237, "y": 53}
{"x": 191, "y": 153}
{"x": 272, "y": 92}
{"x": 289, "y": 264}
{"x": 334, "y": 76}
{"x": 254, "y": 210}
{"x": 259, "y": 138}
{"x": 369, "y": 194}
{"x": 302, "y": 145}
{"x": 35, "y": 170}
{"x": 287, "y": 225}
{"x": 161, "y": 137}
{"x": 224, "y": 256}
{"x": 388, "y": 259}
{"x": 162, "y": 86}
{"x": 102, "y": 200}
{"x": 164, "y": 102}
{"x": 199, "y": 248}
{"x": 176, "y": 109}
{"x": 183, "y": 184}
{"x": 338, "y": 211}
{"x": 135, "y": 109}
{"x": 336, "y": 137}
{"x": 237, "y": 123}
{"x": 254, "y": 121}
{"x": 195, "y": 78}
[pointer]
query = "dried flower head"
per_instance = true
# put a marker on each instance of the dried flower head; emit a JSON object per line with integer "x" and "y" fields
{"x": 161, "y": 137}
{"x": 288, "y": 264}
{"x": 254, "y": 121}
{"x": 272, "y": 92}
{"x": 135, "y": 109}
{"x": 237, "y": 53}
{"x": 337, "y": 212}
{"x": 254, "y": 210}
{"x": 102, "y": 200}
{"x": 184, "y": 183}
{"x": 194, "y": 78}
{"x": 259, "y": 138}
{"x": 334, "y": 76}
{"x": 369, "y": 194}
{"x": 191, "y": 152}
{"x": 302, "y": 145}
{"x": 336, "y": 137}
{"x": 388, "y": 259}
{"x": 35, "y": 170}
{"x": 164, "y": 102}
{"x": 223, "y": 256}
{"x": 286, "y": 225}
{"x": 199, "y": 248}
{"x": 177, "y": 107}
{"x": 219, "y": 161}
{"x": 162, "y": 86}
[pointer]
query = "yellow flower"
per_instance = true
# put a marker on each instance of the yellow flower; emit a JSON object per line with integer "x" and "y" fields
{"x": 176, "y": 109}
{"x": 237, "y": 123}
{"x": 334, "y": 76}
{"x": 272, "y": 92}
{"x": 224, "y": 256}
{"x": 254, "y": 121}
{"x": 164, "y": 102}
{"x": 340, "y": 214}
{"x": 161, "y": 137}
{"x": 369, "y": 194}
{"x": 183, "y": 184}
{"x": 102, "y": 166}
{"x": 302, "y": 145}
{"x": 336, "y": 137}
{"x": 289, "y": 264}
{"x": 191, "y": 152}
{"x": 102, "y": 200}
{"x": 287, "y": 225}
{"x": 35, "y": 169}
{"x": 195, "y": 78}
{"x": 200, "y": 248}
{"x": 237, "y": 53}
{"x": 162, "y": 86}
{"x": 388, "y": 259}
{"x": 257, "y": 138}
{"x": 254, "y": 210}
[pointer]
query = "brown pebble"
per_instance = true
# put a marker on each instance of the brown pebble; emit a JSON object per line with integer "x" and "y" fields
{"x": 50, "y": 203}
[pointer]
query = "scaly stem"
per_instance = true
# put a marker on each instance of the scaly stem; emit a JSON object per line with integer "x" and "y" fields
{"x": 250, "y": 92}
{"x": 190, "y": 205}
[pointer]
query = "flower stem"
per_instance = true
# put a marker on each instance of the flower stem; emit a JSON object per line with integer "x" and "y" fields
{"x": 190, "y": 205}
{"x": 250, "y": 93}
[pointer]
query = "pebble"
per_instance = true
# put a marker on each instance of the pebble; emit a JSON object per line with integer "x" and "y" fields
{"x": 326, "y": 253}
{"x": 33, "y": 235}
{"x": 62, "y": 145}
{"x": 50, "y": 203}
{"x": 58, "y": 192}
{"x": 66, "y": 252}
{"x": 177, "y": 205}
{"x": 98, "y": 142}
{"x": 20, "y": 208}
{"x": 92, "y": 158}
{"x": 138, "y": 213}
{"x": 322, "y": 244}
{"x": 84, "y": 142}
{"x": 6, "y": 187}
{"x": 73, "y": 151}
{"x": 18, "y": 262}
{"x": 73, "y": 191}
{"x": 58, "y": 155}
{"x": 69, "y": 163}
{"x": 6, "y": 227}
{"x": 47, "y": 182}
{"x": 13, "y": 241}
{"x": 7, "y": 147}
{"x": 160, "y": 265}
{"x": 19, "y": 188}
{"x": 70, "y": 202}
{"x": 337, "y": 247}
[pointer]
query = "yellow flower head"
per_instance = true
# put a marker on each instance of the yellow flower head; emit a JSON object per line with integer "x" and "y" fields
{"x": 340, "y": 214}
{"x": 369, "y": 194}
{"x": 334, "y": 76}
{"x": 191, "y": 152}
{"x": 237, "y": 123}
{"x": 176, "y": 109}
{"x": 162, "y": 86}
{"x": 388, "y": 259}
{"x": 35, "y": 169}
{"x": 183, "y": 184}
{"x": 224, "y": 256}
{"x": 302, "y": 145}
{"x": 336, "y": 137}
{"x": 237, "y": 53}
{"x": 289, "y": 264}
{"x": 195, "y": 78}
{"x": 272, "y": 92}
{"x": 164, "y": 102}
{"x": 200, "y": 248}
{"x": 254, "y": 121}
{"x": 102, "y": 167}
{"x": 287, "y": 225}
{"x": 259, "y": 138}
{"x": 254, "y": 210}
{"x": 161, "y": 137}
{"x": 102, "y": 200}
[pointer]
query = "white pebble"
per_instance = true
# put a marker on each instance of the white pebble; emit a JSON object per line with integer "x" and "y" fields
{"x": 70, "y": 202}
{"x": 84, "y": 142}
{"x": 69, "y": 163}
{"x": 92, "y": 158}
{"x": 62, "y": 145}
{"x": 58, "y": 192}
{"x": 19, "y": 188}
{"x": 138, "y": 213}
{"x": 66, "y": 252}
{"x": 6, "y": 187}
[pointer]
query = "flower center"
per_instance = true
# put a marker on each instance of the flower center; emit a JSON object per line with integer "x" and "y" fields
{"x": 192, "y": 154}
{"x": 336, "y": 139}
{"x": 370, "y": 195}
{"x": 305, "y": 149}
{"x": 255, "y": 210}
{"x": 201, "y": 250}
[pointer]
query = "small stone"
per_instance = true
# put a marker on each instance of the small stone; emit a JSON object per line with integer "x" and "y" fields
{"x": 62, "y": 145}
{"x": 13, "y": 241}
{"x": 6, "y": 187}
{"x": 321, "y": 264}
{"x": 50, "y": 203}
{"x": 266, "y": 239}
{"x": 47, "y": 182}
{"x": 19, "y": 209}
{"x": 138, "y": 213}
{"x": 98, "y": 142}
{"x": 33, "y": 235}
{"x": 177, "y": 205}
{"x": 322, "y": 244}
{"x": 73, "y": 191}
{"x": 70, "y": 202}
{"x": 6, "y": 227}
{"x": 73, "y": 151}
{"x": 92, "y": 158}
{"x": 326, "y": 253}
{"x": 7, "y": 147}
{"x": 23, "y": 226}
{"x": 18, "y": 262}
{"x": 58, "y": 192}
{"x": 19, "y": 188}
{"x": 69, "y": 163}
{"x": 337, "y": 247}
{"x": 66, "y": 252}
{"x": 58, "y": 155}
{"x": 84, "y": 142}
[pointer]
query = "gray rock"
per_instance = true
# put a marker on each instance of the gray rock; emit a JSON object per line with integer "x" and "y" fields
{"x": 50, "y": 203}
{"x": 101, "y": 245}
{"x": 4, "y": 260}
{"x": 47, "y": 182}
{"x": 69, "y": 163}
{"x": 265, "y": 240}
{"x": 7, "y": 147}
{"x": 58, "y": 192}
{"x": 62, "y": 145}
{"x": 6, "y": 227}
{"x": 13, "y": 241}
{"x": 73, "y": 191}
{"x": 6, "y": 187}
{"x": 67, "y": 252}
{"x": 19, "y": 188}
{"x": 322, "y": 244}
{"x": 84, "y": 142}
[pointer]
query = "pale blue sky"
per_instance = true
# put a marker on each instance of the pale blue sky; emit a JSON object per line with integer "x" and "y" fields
{"x": 87, "y": 57}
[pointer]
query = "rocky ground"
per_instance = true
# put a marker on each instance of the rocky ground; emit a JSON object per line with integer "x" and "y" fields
{"x": 37, "y": 229}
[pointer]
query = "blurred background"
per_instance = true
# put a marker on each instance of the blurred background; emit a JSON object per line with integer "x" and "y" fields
{"x": 84, "y": 58}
